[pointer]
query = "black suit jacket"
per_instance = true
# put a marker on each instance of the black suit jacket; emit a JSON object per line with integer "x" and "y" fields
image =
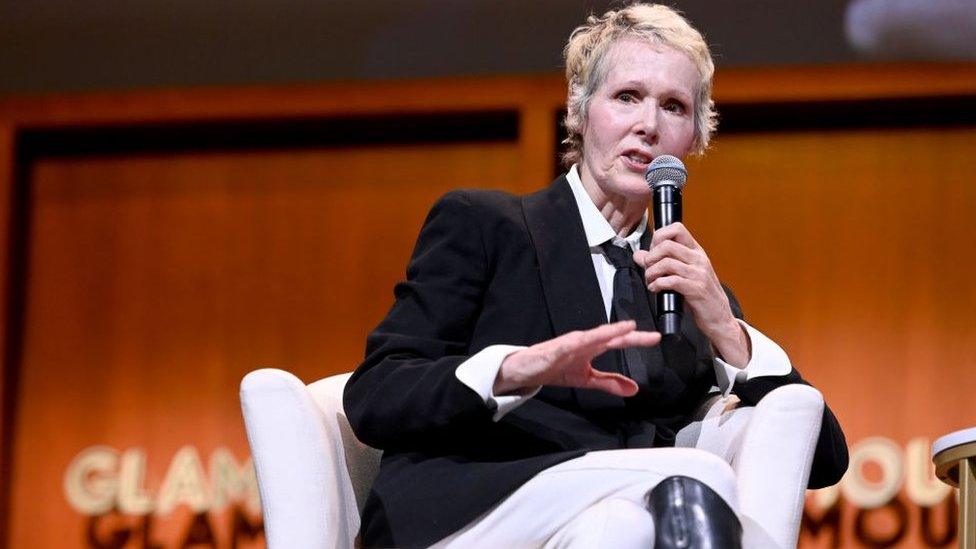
{"x": 491, "y": 268}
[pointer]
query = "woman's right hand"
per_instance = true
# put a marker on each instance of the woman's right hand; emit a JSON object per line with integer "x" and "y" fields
{"x": 566, "y": 361}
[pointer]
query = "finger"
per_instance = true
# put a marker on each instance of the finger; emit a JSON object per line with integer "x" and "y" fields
{"x": 635, "y": 339}
{"x": 664, "y": 233}
{"x": 587, "y": 343}
{"x": 680, "y": 284}
{"x": 642, "y": 257}
{"x": 603, "y": 333}
{"x": 669, "y": 248}
{"x": 677, "y": 232}
{"x": 598, "y": 338}
{"x": 615, "y": 384}
{"x": 668, "y": 267}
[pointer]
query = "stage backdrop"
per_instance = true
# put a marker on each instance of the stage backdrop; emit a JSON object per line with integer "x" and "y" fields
{"x": 161, "y": 245}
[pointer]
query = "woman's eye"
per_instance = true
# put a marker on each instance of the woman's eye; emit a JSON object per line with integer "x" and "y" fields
{"x": 627, "y": 96}
{"x": 675, "y": 106}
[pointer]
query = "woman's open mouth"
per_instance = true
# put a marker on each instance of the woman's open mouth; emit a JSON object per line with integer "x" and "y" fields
{"x": 636, "y": 161}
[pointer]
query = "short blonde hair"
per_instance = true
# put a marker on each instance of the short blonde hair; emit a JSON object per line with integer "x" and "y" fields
{"x": 586, "y": 52}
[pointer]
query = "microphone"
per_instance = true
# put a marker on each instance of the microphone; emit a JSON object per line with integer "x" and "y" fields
{"x": 666, "y": 176}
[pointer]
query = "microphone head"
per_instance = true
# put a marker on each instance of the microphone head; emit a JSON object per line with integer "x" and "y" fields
{"x": 666, "y": 170}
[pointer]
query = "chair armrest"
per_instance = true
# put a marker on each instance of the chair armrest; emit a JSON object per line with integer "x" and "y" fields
{"x": 297, "y": 462}
{"x": 770, "y": 447}
{"x": 773, "y": 462}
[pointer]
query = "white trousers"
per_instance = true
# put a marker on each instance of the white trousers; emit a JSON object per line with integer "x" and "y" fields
{"x": 597, "y": 500}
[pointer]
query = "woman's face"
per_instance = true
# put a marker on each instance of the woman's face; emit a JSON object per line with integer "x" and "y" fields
{"x": 644, "y": 108}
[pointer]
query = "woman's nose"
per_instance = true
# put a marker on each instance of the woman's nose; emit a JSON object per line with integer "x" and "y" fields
{"x": 647, "y": 126}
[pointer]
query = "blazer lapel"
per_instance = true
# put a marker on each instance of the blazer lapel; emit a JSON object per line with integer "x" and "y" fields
{"x": 569, "y": 282}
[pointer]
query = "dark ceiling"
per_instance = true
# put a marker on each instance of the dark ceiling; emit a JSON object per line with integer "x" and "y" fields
{"x": 66, "y": 45}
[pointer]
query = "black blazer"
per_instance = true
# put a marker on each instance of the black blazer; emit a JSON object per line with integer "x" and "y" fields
{"x": 491, "y": 268}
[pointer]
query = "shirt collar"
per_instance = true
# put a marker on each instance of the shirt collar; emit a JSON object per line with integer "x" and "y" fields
{"x": 595, "y": 226}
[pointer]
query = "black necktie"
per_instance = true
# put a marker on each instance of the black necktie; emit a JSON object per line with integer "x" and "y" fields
{"x": 630, "y": 303}
{"x": 629, "y": 294}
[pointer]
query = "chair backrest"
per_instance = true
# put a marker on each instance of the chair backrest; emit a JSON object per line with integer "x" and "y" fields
{"x": 312, "y": 473}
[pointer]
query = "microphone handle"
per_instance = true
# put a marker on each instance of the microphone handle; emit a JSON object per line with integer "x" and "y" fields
{"x": 667, "y": 210}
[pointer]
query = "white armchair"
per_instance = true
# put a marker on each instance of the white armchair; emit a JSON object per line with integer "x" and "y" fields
{"x": 313, "y": 474}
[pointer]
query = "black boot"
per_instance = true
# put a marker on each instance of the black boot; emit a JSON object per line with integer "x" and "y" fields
{"x": 689, "y": 515}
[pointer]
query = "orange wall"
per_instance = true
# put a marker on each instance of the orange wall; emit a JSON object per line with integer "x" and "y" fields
{"x": 854, "y": 251}
{"x": 155, "y": 281}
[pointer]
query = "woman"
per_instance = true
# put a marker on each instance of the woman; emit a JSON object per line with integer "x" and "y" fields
{"x": 510, "y": 412}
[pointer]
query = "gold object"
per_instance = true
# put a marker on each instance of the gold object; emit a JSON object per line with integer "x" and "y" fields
{"x": 954, "y": 456}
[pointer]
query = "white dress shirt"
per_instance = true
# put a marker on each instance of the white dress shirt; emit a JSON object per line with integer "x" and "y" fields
{"x": 480, "y": 370}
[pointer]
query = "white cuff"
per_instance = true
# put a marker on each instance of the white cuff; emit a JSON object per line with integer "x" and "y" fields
{"x": 768, "y": 359}
{"x": 479, "y": 373}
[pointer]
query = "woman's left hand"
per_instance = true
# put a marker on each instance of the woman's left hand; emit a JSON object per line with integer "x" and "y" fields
{"x": 677, "y": 262}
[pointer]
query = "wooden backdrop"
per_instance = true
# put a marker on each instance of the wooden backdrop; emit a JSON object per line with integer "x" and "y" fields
{"x": 159, "y": 245}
